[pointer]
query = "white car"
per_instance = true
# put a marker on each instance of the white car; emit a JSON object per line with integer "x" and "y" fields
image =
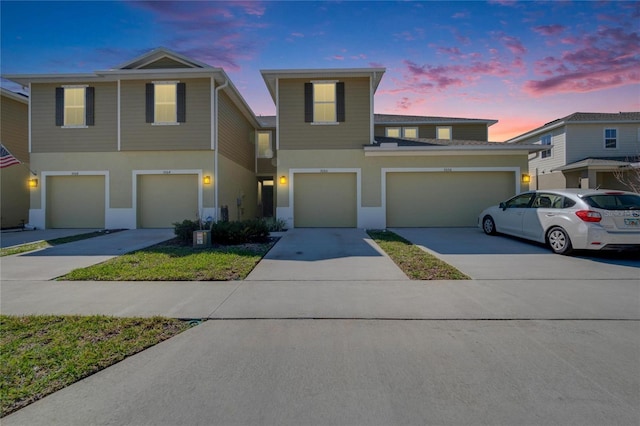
{"x": 568, "y": 219}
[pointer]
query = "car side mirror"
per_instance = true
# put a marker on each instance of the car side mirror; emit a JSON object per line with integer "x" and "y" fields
{"x": 503, "y": 206}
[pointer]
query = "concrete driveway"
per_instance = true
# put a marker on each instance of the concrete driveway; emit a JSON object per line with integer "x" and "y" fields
{"x": 506, "y": 258}
{"x": 50, "y": 263}
{"x": 14, "y": 238}
{"x": 340, "y": 254}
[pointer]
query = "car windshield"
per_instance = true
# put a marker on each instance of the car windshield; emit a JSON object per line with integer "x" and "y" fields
{"x": 614, "y": 201}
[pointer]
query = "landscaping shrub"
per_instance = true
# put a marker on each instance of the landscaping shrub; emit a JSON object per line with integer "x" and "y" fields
{"x": 184, "y": 231}
{"x": 240, "y": 232}
{"x": 274, "y": 224}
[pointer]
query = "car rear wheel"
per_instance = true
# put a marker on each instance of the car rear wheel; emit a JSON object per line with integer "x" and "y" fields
{"x": 488, "y": 225}
{"x": 559, "y": 241}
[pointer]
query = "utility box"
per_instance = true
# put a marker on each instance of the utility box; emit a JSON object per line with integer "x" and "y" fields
{"x": 201, "y": 239}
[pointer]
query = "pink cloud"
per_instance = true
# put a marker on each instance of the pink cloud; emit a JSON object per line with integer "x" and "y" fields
{"x": 549, "y": 30}
{"x": 514, "y": 45}
{"x": 608, "y": 58}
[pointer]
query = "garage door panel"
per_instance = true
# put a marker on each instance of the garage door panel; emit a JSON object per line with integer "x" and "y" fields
{"x": 438, "y": 199}
{"x": 166, "y": 199}
{"x": 75, "y": 202}
{"x": 325, "y": 200}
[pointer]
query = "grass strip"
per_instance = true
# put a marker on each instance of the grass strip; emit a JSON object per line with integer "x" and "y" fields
{"x": 416, "y": 263}
{"x": 170, "y": 262}
{"x": 42, "y": 354}
{"x": 24, "y": 248}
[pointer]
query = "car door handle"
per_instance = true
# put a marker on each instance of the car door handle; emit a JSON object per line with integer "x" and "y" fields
{"x": 550, "y": 214}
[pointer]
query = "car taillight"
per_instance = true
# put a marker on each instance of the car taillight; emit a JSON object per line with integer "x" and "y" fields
{"x": 589, "y": 215}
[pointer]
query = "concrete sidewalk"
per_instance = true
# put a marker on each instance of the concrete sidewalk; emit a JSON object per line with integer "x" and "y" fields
{"x": 56, "y": 261}
{"x": 400, "y": 299}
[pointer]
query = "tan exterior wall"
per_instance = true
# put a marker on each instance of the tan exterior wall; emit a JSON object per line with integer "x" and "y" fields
{"x": 371, "y": 167}
{"x": 587, "y": 140}
{"x": 47, "y": 137}
{"x": 237, "y": 183}
{"x": 14, "y": 191}
{"x": 121, "y": 166}
{"x": 554, "y": 180}
{"x": 237, "y": 140}
{"x": 472, "y": 132}
{"x": 14, "y": 128}
{"x": 351, "y": 134}
{"x": 138, "y": 135}
{"x": 164, "y": 63}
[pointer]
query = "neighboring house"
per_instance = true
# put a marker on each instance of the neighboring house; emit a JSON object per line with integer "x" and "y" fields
{"x": 14, "y": 129}
{"x": 583, "y": 150}
{"x": 156, "y": 140}
{"x": 340, "y": 165}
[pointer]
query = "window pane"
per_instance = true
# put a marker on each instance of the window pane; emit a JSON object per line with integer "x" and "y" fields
{"x": 410, "y": 132}
{"x": 165, "y": 103}
{"x": 324, "y": 113}
{"x": 74, "y": 106}
{"x": 393, "y": 132}
{"x": 264, "y": 145}
{"x": 324, "y": 92}
{"x": 443, "y": 133}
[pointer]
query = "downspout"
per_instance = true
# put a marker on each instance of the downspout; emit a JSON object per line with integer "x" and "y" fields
{"x": 216, "y": 182}
{"x": 371, "y": 109}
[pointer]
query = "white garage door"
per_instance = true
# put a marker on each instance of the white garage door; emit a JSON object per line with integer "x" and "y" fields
{"x": 325, "y": 200}
{"x": 165, "y": 199}
{"x": 75, "y": 202}
{"x": 439, "y": 199}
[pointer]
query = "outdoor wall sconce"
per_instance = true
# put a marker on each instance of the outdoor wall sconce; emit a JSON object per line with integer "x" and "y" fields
{"x": 33, "y": 183}
{"x": 206, "y": 180}
{"x": 526, "y": 178}
{"x": 283, "y": 180}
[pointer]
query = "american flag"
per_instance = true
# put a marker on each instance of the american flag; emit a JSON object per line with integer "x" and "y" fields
{"x": 7, "y": 158}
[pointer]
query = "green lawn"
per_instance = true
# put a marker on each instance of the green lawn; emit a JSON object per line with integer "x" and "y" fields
{"x": 42, "y": 354}
{"x": 172, "y": 262}
{"x": 416, "y": 263}
{"x": 24, "y": 248}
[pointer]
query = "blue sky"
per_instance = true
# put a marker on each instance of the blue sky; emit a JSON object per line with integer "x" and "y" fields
{"x": 522, "y": 63}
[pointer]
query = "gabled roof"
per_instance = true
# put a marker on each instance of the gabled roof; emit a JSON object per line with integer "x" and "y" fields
{"x": 270, "y": 76}
{"x": 159, "y": 54}
{"x": 581, "y": 117}
{"x": 416, "y": 119}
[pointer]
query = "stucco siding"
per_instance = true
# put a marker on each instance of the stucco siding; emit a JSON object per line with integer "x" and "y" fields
{"x": 138, "y": 135}
{"x": 354, "y": 132}
{"x": 14, "y": 196}
{"x": 47, "y": 137}
{"x": 553, "y": 180}
{"x": 238, "y": 189}
{"x": 237, "y": 135}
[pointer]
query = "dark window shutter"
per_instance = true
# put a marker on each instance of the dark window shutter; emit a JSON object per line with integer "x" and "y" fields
{"x": 89, "y": 95}
{"x": 181, "y": 107}
{"x": 150, "y": 102}
{"x": 59, "y": 106}
{"x": 340, "y": 110}
{"x": 308, "y": 102}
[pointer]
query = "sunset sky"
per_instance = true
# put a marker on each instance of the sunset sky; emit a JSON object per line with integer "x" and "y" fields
{"x": 522, "y": 63}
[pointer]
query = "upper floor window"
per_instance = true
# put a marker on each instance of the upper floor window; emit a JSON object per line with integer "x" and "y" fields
{"x": 444, "y": 132}
{"x": 610, "y": 138}
{"x": 545, "y": 140}
{"x": 392, "y": 132}
{"x": 75, "y": 106}
{"x": 165, "y": 102}
{"x": 324, "y": 102}
{"x": 264, "y": 145}
{"x": 405, "y": 132}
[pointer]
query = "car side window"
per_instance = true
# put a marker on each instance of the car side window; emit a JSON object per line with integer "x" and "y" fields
{"x": 567, "y": 203}
{"x": 520, "y": 201}
{"x": 548, "y": 201}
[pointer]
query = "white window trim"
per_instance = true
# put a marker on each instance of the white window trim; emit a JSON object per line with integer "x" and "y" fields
{"x": 165, "y": 123}
{"x": 386, "y": 131}
{"x": 604, "y": 138}
{"x": 450, "y": 132}
{"x": 404, "y": 129}
{"x": 335, "y": 103}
